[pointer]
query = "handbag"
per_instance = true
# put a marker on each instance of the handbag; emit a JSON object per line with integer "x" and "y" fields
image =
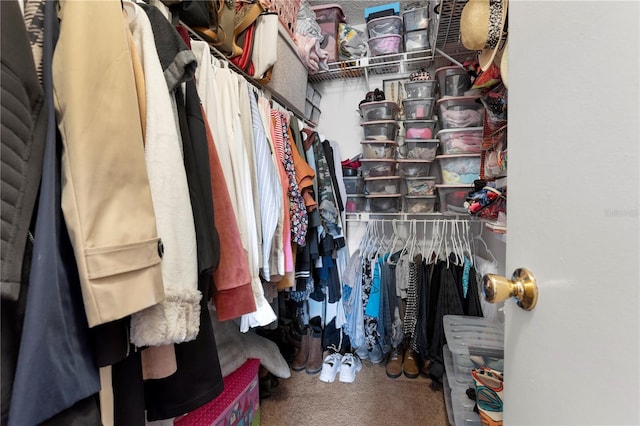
{"x": 221, "y": 26}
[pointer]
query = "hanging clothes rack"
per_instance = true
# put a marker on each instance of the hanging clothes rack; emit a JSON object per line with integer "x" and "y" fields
{"x": 270, "y": 94}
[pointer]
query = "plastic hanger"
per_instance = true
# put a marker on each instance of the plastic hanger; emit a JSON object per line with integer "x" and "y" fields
{"x": 479, "y": 238}
{"x": 396, "y": 238}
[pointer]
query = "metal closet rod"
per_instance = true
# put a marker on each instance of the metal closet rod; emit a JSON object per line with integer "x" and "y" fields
{"x": 420, "y": 220}
{"x": 274, "y": 96}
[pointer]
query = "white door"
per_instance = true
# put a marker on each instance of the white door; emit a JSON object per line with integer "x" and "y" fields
{"x": 573, "y": 212}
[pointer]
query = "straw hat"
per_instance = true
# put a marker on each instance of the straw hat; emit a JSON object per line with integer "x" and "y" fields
{"x": 482, "y": 24}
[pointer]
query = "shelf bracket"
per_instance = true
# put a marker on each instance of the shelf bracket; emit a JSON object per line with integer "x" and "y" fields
{"x": 441, "y": 53}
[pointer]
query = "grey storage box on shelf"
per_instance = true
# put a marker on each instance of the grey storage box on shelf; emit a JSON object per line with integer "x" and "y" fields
{"x": 418, "y": 108}
{"x": 387, "y": 203}
{"x": 416, "y": 40}
{"x": 420, "y": 185}
{"x": 459, "y": 169}
{"x": 420, "y": 88}
{"x": 384, "y": 26}
{"x": 414, "y": 168}
{"x": 375, "y": 168}
{"x": 328, "y": 17}
{"x": 452, "y": 198}
{"x": 378, "y": 150}
{"x": 419, "y": 129}
{"x": 353, "y": 184}
{"x": 385, "y": 45}
{"x": 382, "y": 185}
{"x": 453, "y": 81}
{"x": 461, "y": 141}
{"x": 419, "y": 203}
{"x": 416, "y": 19}
{"x": 457, "y": 112}
{"x": 385, "y": 130}
{"x": 356, "y": 203}
{"x": 380, "y": 110}
{"x": 418, "y": 149}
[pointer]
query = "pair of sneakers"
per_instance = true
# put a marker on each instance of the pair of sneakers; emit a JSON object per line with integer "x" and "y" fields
{"x": 347, "y": 365}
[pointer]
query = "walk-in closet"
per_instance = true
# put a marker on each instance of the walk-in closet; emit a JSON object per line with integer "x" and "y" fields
{"x": 318, "y": 212}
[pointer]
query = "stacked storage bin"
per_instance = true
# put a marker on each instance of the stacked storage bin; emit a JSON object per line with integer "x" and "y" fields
{"x": 385, "y": 35}
{"x": 418, "y": 147}
{"x": 329, "y": 16}
{"x": 461, "y": 118}
{"x": 312, "y": 103}
{"x": 378, "y": 164}
{"x": 416, "y": 29}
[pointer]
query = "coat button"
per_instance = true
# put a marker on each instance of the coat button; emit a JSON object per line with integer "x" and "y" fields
{"x": 160, "y": 248}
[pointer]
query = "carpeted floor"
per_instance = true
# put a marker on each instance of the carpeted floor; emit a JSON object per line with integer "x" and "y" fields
{"x": 373, "y": 399}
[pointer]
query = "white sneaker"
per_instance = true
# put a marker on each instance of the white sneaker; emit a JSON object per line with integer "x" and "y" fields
{"x": 330, "y": 367}
{"x": 350, "y": 365}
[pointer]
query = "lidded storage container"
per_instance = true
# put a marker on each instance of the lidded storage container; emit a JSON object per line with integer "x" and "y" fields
{"x": 356, "y": 203}
{"x": 418, "y": 108}
{"x": 385, "y": 45}
{"x": 419, "y": 129}
{"x": 384, "y": 26}
{"x": 419, "y": 204}
{"x": 382, "y": 185}
{"x": 414, "y": 168}
{"x": 453, "y": 81}
{"x": 380, "y": 110}
{"x": 381, "y": 130}
{"x": 461, "y": 141}
{"x": 388, "y": 203}
{"x": 416, "y": 40}
{"x": 459, "y": 169}
{"x": 452, "y": 198}
{"x": 378, "y": 149}
{"x": 420, "y": 186}
{"x": 353, "y": 184}
{"x": 416, "y": 19}
{"x": 420, "y": 88}
{"x": 328, "y": 17}
{"x": 460, "y": 111}
{"x": 376, "y": 168}
{"x": 418, "y": 149}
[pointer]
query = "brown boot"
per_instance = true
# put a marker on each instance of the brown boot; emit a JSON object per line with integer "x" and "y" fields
{"x": 314, "y": 363}
{"x": 299, "y": 363}
{"x": 394, "y": 363}
{"x": 410, "y": 365}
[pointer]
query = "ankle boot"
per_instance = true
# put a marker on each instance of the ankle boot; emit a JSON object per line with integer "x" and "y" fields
{"x": 314, "y": 363}
{"x": 299, "y": 363}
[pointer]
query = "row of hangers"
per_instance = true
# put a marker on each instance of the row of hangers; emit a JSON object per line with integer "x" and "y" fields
{"x": 449, "y": 236}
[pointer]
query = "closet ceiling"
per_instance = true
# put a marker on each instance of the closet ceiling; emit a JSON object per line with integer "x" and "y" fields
{"x": 354, "y": 9}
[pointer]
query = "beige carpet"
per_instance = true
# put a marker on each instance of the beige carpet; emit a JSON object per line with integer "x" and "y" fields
{"x": 373, "y": 399}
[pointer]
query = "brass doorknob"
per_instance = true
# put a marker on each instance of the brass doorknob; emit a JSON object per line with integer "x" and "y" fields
{"x": 522, "y": 286}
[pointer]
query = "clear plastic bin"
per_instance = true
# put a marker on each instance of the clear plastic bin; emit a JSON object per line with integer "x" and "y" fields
{"x": 452, "y": 198}
{"x": 385, "y": 45}
{"x": 419, "y": 204}
{"x": 416, "y": 40}
{"x": 416, "y": 19}
{"x": 418, "y": 108}
{"x": 420, "y": 186}
{"x": 420, "y": 89}
{"x": 376, "y": 168}
{"x": 419, "y": 129}
{"x": 418, "y": 149}
{"x": 382, "y": 185}
{"x": 328, "y": 17}
{"x": 459, "y": 169}
{"x": 461, "y": 141}
{"x": 414, "y": 168}
{"x": 381, "y": 110}
{"x": 384, "y": 203}
{"x": 353, "y": 184}
{"x": 460, "y": 112}
{"x": 378, "y": 149}
{"x": 453, "y": 81}
{"x": 382, "y": 130}
{"x": 356, "y": 203}
{"x": 384, "y": 26}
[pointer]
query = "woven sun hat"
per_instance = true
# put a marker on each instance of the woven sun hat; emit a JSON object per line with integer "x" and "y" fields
{"x": 482, "y": 24}
{"x": 504, "y": 64}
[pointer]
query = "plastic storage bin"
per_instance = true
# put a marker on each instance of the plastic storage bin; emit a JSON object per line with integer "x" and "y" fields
{"x": 384, "y": 26}
{"x": 382, "y": 130}
{"x": 418, "y": 149}
{"x": 388, "y": 203}
{"x": 459, "y": 169}
{"x": 461, "y": 141}
{"x": 382, "y": 185}
{"x": 356, "y": 203}
{"x": 420, "y": 89}
{"x": 328, "y": 17}
{"x": 416, "y": 40}
{"x": 416, "y": 19}
{"x": 353, "y": 184}
{"x": 419, "y": 129}
{"x": 381, "y": 110}
{"x": 385, "y": 45}
{"x": 452, "y": 198}
{"x": 376, "y": 168}
{"x": 418, "y": 108}
{"x": 378, "y": 149}
{"x": 419, "y": 204}
{"x": 414, "y": 168}
{"x": 453, "y": 81}
{"x": 420, "y": 186}
{"x": 460, "y": 112}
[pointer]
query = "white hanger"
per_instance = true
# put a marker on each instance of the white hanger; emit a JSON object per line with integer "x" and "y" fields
{"x": 479, "y": 238}
{"x": 396, "y": 238}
